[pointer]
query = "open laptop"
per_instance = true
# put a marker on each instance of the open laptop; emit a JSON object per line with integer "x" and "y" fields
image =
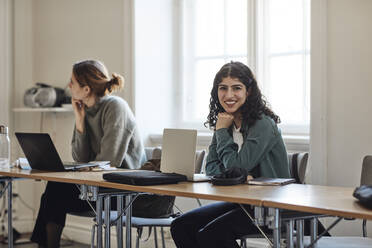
{"x": 178, "y": 153}
{"x": 42, "y": 154}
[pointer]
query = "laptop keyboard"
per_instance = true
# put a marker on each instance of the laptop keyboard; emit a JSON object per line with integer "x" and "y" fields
{"x": 71, "y": 164}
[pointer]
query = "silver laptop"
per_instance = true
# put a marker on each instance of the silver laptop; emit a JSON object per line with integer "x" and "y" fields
{"x": 179, "y": 153}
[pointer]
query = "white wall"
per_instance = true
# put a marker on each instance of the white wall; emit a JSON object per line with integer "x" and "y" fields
{"x": 350, "y": 86}
{"x": 5, "y": 59}
{"x": 341, "y": 87}
{"x": 49, "y": 36}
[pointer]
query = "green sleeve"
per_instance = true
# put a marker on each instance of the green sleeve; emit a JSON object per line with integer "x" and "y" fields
{"x": 213, "y": 165}
{"x": 259, "y": 140}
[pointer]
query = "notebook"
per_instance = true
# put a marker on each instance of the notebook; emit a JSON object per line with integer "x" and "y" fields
{"x": 178, "y": 153}
{"x": 42, "y": 154}
{"x": 271, "y": 181}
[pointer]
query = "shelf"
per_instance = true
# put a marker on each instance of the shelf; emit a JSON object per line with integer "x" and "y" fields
{"x": 57, "y": 109}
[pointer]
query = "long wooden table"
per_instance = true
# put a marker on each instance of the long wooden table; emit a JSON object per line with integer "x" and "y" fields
{"x": 251, "y": 195}
{"x": 335, "y": 201}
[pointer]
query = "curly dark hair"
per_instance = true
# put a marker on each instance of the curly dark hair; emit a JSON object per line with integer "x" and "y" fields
{"x": 255, "y": 104}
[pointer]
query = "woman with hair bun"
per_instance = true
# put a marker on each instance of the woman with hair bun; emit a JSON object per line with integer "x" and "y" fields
{"x": 105, "y": 130}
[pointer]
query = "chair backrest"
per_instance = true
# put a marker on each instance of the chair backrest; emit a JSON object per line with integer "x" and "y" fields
{"x": 298, "y": 165}
{"x": 366, "y": 175}
{"x": 155, "y": 153}
{"x": 200, "y": 154}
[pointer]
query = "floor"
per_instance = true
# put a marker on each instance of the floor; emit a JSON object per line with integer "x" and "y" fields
{"x": 24, "y": 242}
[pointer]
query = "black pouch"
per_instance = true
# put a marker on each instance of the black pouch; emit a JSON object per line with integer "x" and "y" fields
{"x": 364, "y": 195}
{"x": 232, "y": 176}
{"x": 144, "y": 177}
{"x": 153, "y": 206}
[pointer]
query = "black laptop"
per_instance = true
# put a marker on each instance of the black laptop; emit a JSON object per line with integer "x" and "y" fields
{"x": 42, "y": 154}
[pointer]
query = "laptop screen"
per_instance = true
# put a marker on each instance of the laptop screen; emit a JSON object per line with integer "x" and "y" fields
{"x": 178, "y": 151}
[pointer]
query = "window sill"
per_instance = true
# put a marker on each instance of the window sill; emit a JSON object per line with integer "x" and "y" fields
{"x": 294, "y": 143}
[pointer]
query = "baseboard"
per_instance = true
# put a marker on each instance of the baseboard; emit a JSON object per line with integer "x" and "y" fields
{"x": 82, "y": 234}
{"x": 24, "y": 225}
{"x": 77, "y": 232}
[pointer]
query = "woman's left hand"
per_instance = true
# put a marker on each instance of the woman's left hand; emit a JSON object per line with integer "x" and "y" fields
{"x": 224, "y": 120}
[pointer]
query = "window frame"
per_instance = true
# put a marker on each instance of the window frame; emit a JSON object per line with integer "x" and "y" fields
{"x": 252, "y": 58}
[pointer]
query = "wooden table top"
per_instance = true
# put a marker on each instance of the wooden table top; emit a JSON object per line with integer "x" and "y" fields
{"x": 245, "y": 194}
{"x": 337, "y": 201}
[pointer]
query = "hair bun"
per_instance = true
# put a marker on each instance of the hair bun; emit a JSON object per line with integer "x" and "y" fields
{"x": 116, "y": 83}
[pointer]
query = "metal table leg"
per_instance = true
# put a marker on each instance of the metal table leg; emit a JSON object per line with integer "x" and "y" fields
{"x": 107, "y": 221}
{"x": 10, "y": 226}
{"x": 290, "y": 224}
{"x": 300, "y": 233}
{"x": 119, "y": 223}
{"x": 314, "y": 231}
{"x": 99, "y": 203}
{"x": 276, "y": 228}
{"x": 273, "y": 222}
{"x": 128, "y": 229}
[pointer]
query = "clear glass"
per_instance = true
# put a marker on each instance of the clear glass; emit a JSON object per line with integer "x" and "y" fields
{"x": 284, "y": 66}
{"x": 287, "y": 77}
{"x": 214, "y": 33}
{"x": 286, "y": 25}
{"x": 4, "y": 151}
{"x": 236, "y": 39}
{"x": 209, "y": 27}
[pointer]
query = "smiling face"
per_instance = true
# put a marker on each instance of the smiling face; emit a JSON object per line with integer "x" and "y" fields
{"x": 232, "y": 94}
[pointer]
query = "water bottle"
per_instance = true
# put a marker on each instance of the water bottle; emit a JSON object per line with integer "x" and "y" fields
{"x": 4, "y": 147}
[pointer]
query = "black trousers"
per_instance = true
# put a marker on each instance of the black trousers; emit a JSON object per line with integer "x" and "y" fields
{"x": 62, "y": 198}
{"x": 57, "y": 200}
{"x": 216, "y": 225}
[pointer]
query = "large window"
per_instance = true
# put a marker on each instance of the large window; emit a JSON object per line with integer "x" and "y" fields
{"x": 271, "y": 36}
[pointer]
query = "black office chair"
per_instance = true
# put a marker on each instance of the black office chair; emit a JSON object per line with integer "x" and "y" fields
{"x": 298, "y": 164}
{"x": 347, "y": 242}
{"x": 340, "y": 242}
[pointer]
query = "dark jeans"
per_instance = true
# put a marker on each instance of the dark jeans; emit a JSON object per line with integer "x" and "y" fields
{"x": 62, "y": 198}
{"x": 216, "y": 225}
{"x": 57, "y": 200}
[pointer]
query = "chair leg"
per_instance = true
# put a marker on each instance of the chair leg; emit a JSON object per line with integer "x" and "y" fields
{"x": 139, "y": 234}
{"x": 243, "y": 243}
{"x": 93, "y": 236}
{"x": 162, "y": 236}
{"x": 364, "y": 228}
{"x": 155, "y": 238}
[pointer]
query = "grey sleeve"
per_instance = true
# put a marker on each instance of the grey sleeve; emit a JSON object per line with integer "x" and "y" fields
{"x": 114, "y": 145}
{"x": 81, "y": 151}
{"x": 116, "y": 135}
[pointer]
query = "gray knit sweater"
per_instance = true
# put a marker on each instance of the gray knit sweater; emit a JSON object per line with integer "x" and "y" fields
{"x": 110, "y": 134}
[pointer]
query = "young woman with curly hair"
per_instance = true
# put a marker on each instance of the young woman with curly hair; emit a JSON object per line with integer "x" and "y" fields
{"x": 245, "y": 136}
